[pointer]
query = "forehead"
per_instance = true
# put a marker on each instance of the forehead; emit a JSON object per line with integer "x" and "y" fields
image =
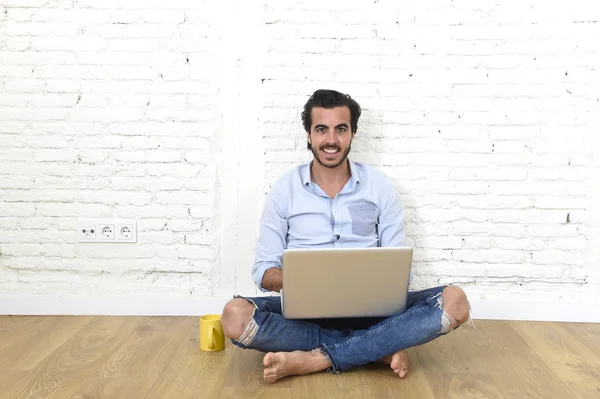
{"x": 330, "y": 116}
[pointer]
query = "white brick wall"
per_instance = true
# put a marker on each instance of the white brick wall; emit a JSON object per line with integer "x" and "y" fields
{"x": 181, "y": 114}
{"x": 106, "y": 110}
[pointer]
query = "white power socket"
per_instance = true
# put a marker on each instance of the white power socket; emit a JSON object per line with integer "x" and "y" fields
{"x": 103, "y": 230}
{"x": 87, "y": 231}
{"x": 108, "y": 232}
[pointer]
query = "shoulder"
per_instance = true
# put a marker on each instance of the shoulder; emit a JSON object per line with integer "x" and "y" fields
{"x": 285, "y": 186}
{"x": 378, "y": 184}
{"x": 373, "y": 176}
{"x": 289, "y": 179}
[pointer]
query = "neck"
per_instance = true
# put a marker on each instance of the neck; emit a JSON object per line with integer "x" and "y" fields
{"x": 327, "y": 177}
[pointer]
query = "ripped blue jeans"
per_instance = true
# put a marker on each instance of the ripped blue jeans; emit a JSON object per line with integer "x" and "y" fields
{"x": 347, "y": 342}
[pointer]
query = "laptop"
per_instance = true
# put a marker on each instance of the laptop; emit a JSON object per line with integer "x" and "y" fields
{"x": 345, "y": 282}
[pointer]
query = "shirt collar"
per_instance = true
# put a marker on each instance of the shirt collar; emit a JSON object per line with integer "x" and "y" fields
{"x": 354, "y": 178}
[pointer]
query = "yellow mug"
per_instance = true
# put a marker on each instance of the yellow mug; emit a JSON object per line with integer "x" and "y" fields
{"x": 212, "y": 337}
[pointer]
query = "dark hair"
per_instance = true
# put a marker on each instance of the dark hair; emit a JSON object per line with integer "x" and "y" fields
{"x": 330, "y": 99}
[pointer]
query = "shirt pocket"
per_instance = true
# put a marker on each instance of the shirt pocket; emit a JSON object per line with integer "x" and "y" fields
{"x": 364, "y": 219}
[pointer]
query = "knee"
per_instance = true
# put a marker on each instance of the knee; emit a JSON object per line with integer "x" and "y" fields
{"x": 236, "y": 316}
{"x": 456, "y": 303}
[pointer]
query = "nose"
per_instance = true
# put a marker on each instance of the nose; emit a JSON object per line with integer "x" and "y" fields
{"x": 330, "y": 137}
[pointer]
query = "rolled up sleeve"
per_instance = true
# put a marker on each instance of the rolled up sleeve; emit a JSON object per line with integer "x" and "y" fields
{"x": 271, "y": 240}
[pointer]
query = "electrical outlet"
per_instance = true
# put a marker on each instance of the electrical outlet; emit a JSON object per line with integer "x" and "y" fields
{"x": 87, "y": 230}
{"x": 107, "y": 231}
{"x": 126, "y": 231}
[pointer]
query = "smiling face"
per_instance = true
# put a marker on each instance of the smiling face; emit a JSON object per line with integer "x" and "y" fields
{"x": 330, "y": 135}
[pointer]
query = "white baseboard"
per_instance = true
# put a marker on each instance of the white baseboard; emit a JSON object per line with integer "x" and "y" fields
{"x": 110, "y": 306}
{"x": 156, "y": 306}
{"x": 536, "y": 311}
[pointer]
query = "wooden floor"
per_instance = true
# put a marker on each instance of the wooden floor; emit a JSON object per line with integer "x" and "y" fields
{"x": 158, "y": 357}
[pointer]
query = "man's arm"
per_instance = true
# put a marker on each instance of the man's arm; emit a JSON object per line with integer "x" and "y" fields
{"x": 266, "y": 271}
{"x": 391, "y": 218}
{"x": 273, "y": 279}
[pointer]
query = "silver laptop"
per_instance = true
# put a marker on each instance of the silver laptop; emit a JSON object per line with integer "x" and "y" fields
{"x": 345, "y": 282}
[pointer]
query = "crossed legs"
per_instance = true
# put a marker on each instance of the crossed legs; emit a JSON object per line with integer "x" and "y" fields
{"x": 239, "y": 325}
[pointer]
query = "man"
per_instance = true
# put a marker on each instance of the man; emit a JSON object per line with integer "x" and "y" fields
{"x": 333, "y": 202}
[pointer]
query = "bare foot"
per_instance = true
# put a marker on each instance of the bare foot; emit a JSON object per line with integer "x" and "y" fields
{"x": 282, "y": 364}
{"x": 398, "y": 362}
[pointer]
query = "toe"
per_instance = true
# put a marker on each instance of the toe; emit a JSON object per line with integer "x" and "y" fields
{"x": 270, "y": 376}
{"x": 400, "y": 364}
{"x": 402, "y": 373}
{"x": 268, "y": 359}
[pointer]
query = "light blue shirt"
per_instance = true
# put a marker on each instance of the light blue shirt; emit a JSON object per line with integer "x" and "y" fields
{"x": 298, "y": 214}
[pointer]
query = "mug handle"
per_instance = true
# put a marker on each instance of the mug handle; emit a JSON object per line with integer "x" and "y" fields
{"x": 211, "y": 343}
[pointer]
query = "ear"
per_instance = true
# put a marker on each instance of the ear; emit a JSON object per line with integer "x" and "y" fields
{"x": 308, "y": 138}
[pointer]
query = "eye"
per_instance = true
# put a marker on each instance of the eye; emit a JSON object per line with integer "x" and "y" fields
{"x": 342, "y": 129}
{"x": 320, "y": 129}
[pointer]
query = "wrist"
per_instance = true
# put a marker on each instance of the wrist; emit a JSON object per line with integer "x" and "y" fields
{"x": 273, "y": 279}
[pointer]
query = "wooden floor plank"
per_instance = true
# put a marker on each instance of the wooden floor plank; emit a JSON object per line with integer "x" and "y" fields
{"x": 140, "y": 360}
{"x": 154, "y": 357}
{"x": 450, "y": 353}
{"x": 35, "y": 338}
{"x": 454, "y": 370}
{"x": 239, "y": 392}
{"x": 513, "y": 364}
{"x": 8, "y": 378}
{"x": 570, "y": 359}
{"x": 586, "y": 333}
{"x": 16, "y": 331}
{"x": 246, "y": 369}
{"x": 109, "y": 387}
{"x": 192, "y": 373}
{"x": 67, "y": 368}
{"x": 12, "y": 324}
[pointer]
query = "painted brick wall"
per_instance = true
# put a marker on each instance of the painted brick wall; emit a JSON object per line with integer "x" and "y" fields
{"x": 181, "y": 114}
{"x": 106, "y": 110}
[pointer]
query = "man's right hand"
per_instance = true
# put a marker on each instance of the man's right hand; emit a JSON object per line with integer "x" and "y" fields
{"x": 273, "y": 279}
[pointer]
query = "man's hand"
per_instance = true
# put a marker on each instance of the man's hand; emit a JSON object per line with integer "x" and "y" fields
{"x": 273, "y": 279}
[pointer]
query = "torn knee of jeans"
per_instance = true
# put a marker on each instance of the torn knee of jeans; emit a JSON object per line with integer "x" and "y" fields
{"x": 249, "y": 332}
{"x": 448, "y": 322}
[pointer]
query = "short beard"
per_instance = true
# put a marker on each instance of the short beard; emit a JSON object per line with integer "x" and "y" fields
{"x": 315, "y": 152}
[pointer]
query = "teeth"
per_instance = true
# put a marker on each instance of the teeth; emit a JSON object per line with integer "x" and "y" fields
{"x": 330, "y": 151}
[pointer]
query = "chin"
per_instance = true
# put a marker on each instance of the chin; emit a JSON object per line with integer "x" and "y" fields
{"x": 340, "y": 158}
{"x": 334, "y": 163}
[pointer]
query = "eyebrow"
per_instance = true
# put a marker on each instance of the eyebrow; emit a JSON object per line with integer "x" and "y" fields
{"x": 327, "y": 127}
